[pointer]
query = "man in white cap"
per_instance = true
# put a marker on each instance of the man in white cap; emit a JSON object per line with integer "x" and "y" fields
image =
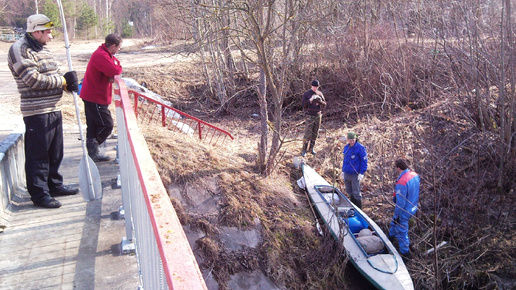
{"x": 41, "y": 88}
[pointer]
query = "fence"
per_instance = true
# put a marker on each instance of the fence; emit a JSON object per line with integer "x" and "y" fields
{"x": 165, "y": 259}
{"x": 149, "y": 110}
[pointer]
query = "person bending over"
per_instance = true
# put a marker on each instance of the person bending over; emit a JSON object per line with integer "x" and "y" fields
{"x": 96, "y": 93}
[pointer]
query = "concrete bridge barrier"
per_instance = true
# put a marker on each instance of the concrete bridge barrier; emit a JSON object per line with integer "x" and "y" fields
{"x": 12, "y": 166}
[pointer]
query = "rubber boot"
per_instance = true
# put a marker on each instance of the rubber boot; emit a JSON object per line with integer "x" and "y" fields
{"x": 312, "y": 144}
{"x": 305, "y": 145}
{"x": 93, "y": 150}
{"x": 358, "y": 203}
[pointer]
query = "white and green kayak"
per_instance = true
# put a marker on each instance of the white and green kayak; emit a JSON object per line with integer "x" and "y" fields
{"x": 366, "y": 245}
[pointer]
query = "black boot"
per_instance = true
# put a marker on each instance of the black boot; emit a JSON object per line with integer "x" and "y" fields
{"x": 93, "y": 150}
{"x": 305, "y": 145}
{"x": 358, "y": 203}
{"x": 312, "y": 144}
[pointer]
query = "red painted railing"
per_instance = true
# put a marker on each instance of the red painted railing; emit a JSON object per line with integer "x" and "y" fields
{"x": 165, "y": 258}
{"x": 148, "y": 110}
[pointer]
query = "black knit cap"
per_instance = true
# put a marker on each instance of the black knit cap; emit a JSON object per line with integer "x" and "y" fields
{"x": 315, "y": 83}
{"x": 401, "y": 164}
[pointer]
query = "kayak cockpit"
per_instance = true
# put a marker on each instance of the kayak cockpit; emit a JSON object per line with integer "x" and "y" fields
{"x": 373, "y": 247}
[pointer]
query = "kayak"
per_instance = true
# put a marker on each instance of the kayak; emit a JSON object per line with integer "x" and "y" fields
{"x": 366, "y": 245}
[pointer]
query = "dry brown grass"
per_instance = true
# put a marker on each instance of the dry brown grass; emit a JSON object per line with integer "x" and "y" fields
{"x": 290, "y": 251}
{"x": 439, "y": 140}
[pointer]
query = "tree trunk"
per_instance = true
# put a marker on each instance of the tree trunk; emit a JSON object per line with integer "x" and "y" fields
{"x": 502, "y": 103}
{"x": 230, "y": 68}
{"x": 264, "y": 117}
{"x": 511, "y": 126}
{"x": 95, "y": 10}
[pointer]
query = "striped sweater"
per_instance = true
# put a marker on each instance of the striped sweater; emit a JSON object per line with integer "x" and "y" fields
{"x": 36, "y": 74}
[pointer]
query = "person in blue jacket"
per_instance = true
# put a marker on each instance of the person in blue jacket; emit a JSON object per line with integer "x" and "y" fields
{"x": 406, "y": 198}
{"x": 354, "y": 167}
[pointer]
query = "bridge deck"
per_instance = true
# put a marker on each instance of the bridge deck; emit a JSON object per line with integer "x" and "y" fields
{"x": 72, "y": 247}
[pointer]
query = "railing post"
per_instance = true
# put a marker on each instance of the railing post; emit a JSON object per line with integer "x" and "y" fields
{"x": 136, "y": 96}
{"x": 163, "y": 117}
{"x": 123, "y": 148}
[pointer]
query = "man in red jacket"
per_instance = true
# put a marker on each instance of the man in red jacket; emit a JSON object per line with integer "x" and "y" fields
{"x": 96, "y": 92}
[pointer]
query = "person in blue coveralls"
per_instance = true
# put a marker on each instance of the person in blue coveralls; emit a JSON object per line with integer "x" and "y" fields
{"x": 406, "y": 198}
{"x": 354, "y": 167}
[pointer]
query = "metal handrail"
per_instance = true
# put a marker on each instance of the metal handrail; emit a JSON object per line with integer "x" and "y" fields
{"x": 165, "y": 258}
{"x": 175, "y": 119}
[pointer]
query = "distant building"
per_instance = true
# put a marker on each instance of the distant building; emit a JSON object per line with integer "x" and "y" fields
{"x": 10, "y": 34}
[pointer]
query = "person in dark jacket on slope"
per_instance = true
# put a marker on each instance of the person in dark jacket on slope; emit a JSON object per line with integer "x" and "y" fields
{"x": 313, "y": 103}
{"x": 354, "y": 167}
{"x": 96, "y": 93}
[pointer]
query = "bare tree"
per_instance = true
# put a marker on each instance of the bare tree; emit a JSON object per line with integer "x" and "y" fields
{"x": 266, "y": 34}
{"x": 510, "y": 130}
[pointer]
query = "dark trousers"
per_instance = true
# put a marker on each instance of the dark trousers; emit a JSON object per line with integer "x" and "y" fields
{"x": 98, "y": 120}
{"x": 43, "y": 154}
{"x": 353, "y": 186}
{"x": 313, "y": 123}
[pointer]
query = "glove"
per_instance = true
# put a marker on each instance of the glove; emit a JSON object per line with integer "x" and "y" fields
{"x": 360, "y": 177}
{"x": 342, "y": 175}
{"x": 72, "y": 83}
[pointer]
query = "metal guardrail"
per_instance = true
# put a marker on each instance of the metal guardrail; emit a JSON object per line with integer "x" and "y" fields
{"x": 165, "y": 259}
{"x": 149, "y": 110}
{"x": 12, "y": 164}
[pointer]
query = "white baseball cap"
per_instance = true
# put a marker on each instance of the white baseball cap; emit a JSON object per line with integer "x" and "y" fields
{"x": 39, "y": 22}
